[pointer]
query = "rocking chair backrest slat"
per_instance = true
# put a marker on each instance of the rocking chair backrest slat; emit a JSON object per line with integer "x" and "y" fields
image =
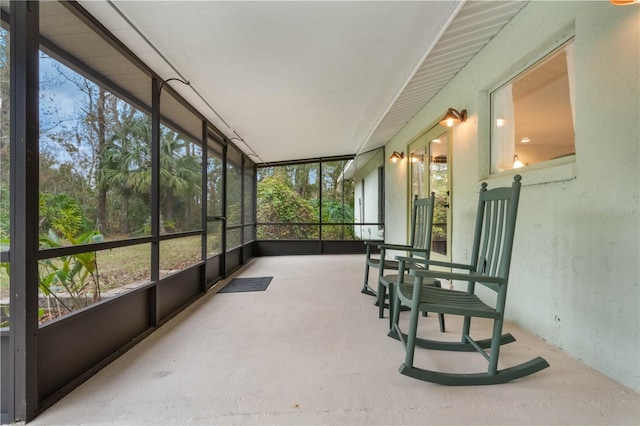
{"x": 495, "y": 225}
{"x": 496, "y": 213}
{"x": 421, "y": 219}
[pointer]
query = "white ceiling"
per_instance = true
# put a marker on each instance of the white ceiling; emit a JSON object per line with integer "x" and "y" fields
{"x": 306, "y": 79}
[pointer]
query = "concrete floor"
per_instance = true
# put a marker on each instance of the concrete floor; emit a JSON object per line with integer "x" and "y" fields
{"x": 311, "y": 350}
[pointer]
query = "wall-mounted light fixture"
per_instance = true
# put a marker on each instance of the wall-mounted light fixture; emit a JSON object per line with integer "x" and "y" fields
{"x": 516, "y": 162}
{"x": 623, "y": 2}
{"x": 396, "y": 156}
{"x": 453, "y": 116}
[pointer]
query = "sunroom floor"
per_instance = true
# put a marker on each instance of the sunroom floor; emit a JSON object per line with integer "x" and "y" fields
{"x": 311, "y": 350}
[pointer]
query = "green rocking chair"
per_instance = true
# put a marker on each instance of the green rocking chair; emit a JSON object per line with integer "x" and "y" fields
{"x": 419, "y": 248}
{"x": 490, "y": 263}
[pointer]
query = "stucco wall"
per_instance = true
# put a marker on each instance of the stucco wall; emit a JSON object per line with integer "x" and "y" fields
{"x": 366, "y": 203}
{"x": 575, "y": 272}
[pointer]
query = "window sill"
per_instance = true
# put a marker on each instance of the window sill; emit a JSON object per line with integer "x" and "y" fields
{"x": 558, "y": 170}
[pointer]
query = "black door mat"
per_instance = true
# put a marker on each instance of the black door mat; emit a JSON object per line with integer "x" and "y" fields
{"x": 238, "y": 285}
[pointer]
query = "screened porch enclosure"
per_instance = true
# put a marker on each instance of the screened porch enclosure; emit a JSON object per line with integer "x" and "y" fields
{"x": 128, "y": 204}
{"x": 152, "y": 151}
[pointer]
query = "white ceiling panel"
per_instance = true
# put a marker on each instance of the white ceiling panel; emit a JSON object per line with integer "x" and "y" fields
{"x": 306, "y": 79}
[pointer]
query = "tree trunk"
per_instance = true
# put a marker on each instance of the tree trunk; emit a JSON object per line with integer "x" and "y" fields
{"x": 124, "y": 215}
{"x": 102, "y": 224}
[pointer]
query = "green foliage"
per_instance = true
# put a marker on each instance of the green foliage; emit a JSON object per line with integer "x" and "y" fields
{"x": 337, "y": 212}
{"x": 72, "y": 281}
{"x": 440, "y": 216}
{"x": 289, "y": 194}
{"x": 4, "y": 212}
{"x": 279, "y": 203}
{"x": 63, "y": 214}
{"x": 4, "y": 290}
{"x": 126, "y": 172}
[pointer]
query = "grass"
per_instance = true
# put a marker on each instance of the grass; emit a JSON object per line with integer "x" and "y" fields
{"x": 131, "y": 266}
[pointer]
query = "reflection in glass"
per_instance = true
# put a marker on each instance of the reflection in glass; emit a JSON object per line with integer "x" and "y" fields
{"x": 533, "y": 115}
{"x": 417, "y": 163}
{"x": 438, "y": 183}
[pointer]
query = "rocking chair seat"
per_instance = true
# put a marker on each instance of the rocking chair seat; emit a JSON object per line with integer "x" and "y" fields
{"x": 388, "y": 282}
{"x": 445, "y": 301}
{"x": 388, "y": 264}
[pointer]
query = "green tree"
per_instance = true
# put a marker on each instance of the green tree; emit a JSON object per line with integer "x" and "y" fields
{"x": 125, "y": 168}
{"x": 279, "y": 203}
{"x": 180, "y": 173}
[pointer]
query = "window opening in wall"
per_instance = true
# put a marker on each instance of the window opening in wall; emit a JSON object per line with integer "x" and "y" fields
{"x": 439, "y": 184}
{"x": 417, "y": 159}
{"x": 533, "y": 115}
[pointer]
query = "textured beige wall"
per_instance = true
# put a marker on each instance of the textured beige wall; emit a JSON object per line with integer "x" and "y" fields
{"x": 575, "y": 273}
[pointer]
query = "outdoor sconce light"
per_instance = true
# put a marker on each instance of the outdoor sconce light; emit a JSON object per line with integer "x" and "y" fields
{"x": 453, "y": 116}
{"x": 516, "y": 162}
{"x": 396, "y": 156}
{"x": 623, "y": 2}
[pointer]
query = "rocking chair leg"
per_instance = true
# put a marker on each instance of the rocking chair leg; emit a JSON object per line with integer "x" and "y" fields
{"x": 394, "y": 314}
{"x": 465, "y": 329}
{"x": 365, "y": 288}
{"x": 495, "y": 347}
{"x": 411, "y": 336}
{"x": 382, "y": 294}
{"x": 392, "y": 301}
{"x": 441, "y": 319}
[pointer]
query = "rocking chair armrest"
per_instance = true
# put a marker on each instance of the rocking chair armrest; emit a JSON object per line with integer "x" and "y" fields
{"x": 429, "y": 262}
{"x": 369, "y": 244}
{"x": 423, "y": 252}
{"x": 394, "y": 247}
{"x": 457, "y": 276}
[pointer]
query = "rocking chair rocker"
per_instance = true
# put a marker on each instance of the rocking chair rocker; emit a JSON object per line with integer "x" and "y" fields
{"x": 490, "y": 263}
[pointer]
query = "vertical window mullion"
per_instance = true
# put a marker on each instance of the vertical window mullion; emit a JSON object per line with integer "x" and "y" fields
{"x": 24, "y": 21}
